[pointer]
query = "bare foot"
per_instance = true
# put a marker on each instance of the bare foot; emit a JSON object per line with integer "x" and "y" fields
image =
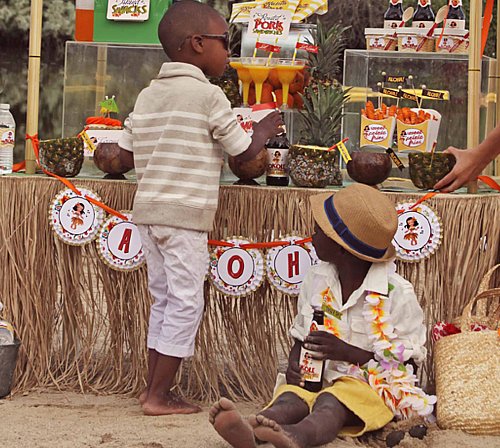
{"x": 230, "y": 425}
{"x": 167, "y": 405}
{"x": 268, "y": 430}
{"x": 143, "y": 396}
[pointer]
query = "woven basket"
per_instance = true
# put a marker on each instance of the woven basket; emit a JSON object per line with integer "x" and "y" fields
{"x": 467, "y": 368}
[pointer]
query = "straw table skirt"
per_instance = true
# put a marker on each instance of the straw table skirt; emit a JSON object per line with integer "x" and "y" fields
{"x": 83, "y": 326}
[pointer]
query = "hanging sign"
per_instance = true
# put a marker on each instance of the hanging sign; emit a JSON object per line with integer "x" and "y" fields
{"x": 288, "y": 265}
{"x": 119, "y": 244}
{"x": 269, "y": 22}
{"x": 74, "y": 218}
{"x": 419, "y": 232}
{"x": 235, "y": 271}
{"x": 130, "y": 10}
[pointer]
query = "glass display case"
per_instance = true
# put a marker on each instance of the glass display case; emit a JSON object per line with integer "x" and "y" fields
{"x": 363, "y": 70}
{"x": 93, "y": 70}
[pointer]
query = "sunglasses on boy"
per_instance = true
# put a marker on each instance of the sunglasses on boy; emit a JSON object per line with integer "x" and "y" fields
{"x": 224, "y": 38}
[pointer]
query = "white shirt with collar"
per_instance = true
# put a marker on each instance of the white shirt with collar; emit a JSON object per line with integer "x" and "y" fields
{"x": 406, "y": 313}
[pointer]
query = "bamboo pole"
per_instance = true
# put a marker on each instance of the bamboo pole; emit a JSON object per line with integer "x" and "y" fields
{"x": 491, "y": 105}
{"x": 33, "y": 81}
{"x": 476, "y": 8}
{"x": 497, "y": 161}
{"x": 100, "y": 77}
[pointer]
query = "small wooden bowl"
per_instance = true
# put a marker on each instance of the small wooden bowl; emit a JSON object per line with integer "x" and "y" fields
{"x": 370, "y": 168}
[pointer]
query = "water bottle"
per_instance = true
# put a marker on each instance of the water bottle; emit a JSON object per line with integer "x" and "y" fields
{"x": 6, "y": 333}
{"x": 7, "y": 138}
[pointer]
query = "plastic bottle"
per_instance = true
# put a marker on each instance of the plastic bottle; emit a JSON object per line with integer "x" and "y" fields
{"x": 6, "y": 333}
{"x": 424, "y": 15}
{"x": 7, "y": 139}
{"x": 313, "y": 368}
{"x": 394, "y": 14}
{"x": 456, "y": 15}
{"x": 277, "y": 161}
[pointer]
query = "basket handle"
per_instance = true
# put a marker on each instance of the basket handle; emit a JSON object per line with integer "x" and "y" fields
{"x": 485, "y": 282}
{"x": 493, "y": 320}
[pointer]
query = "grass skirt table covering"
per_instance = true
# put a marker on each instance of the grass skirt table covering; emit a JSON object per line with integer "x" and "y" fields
{"x": 83, "y": 325}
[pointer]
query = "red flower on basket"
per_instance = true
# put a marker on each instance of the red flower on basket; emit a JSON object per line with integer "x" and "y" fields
{"x": 442, "y": 329}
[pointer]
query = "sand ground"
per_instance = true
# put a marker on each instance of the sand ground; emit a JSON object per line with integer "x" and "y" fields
{"x": 69, "y": 420}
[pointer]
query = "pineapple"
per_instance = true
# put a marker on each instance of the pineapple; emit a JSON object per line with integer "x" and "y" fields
{"x": 321, "y": 115}
{"x": 426, "y": 169}
{"x": 62, "y": 156}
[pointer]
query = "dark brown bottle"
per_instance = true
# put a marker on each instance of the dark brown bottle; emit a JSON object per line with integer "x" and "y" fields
{"x": 456, "y": 16}
{"x": 394, "y": 14}
{"x": 424, "y": 15}
{"x": 277, "y": 161}
{"x": 313, "y": 369}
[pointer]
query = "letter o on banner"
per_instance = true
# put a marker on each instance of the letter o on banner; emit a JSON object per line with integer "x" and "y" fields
{"x": 288, "y": 265}
{"x": 119, "y": 244}
{"x": 235, "y": 271}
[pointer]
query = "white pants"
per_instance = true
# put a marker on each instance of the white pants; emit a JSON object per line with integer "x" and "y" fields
{"x": 177, "y": 261}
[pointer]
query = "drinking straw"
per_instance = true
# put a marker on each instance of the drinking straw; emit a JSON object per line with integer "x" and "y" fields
{"x": 255, "y": 49}
{"x": 271, "y": 53}
{"x": 295, "y": 51}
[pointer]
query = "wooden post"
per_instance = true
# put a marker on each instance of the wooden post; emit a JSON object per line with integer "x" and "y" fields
{"x": 496, "y": 163}
{"x": 491, "y": 105}
{"x": 475, "y": 25}
{"x": 33, "y": 81}
{"x": 100, "y": 76}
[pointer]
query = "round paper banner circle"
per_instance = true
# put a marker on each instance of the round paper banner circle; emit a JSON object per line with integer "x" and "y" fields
{"x": 287, "y": 265}
{"x": 235, "y": 271}
{"x": 119, "y": 244}
{"x": 74, "y": 218}
{"x": 419, "y": 232}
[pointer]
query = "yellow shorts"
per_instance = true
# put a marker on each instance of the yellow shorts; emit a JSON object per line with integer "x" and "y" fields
{"x": 355, "y": 395}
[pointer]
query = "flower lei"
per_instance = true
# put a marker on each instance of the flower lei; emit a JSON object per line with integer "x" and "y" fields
{"x": 387, "y": 374}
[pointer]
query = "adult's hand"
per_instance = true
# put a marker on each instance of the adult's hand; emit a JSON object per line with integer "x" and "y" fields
{"x": 470, "y": 163}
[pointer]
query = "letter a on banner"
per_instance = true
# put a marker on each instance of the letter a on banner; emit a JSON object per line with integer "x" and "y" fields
{"x": 235, "y": 271}
{"x": 119, "y": 244}
{"x": 287, "y": 265}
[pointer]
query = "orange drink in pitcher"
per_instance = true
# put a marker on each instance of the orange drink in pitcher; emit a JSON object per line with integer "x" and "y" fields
{"x": 259, "y": 71}
{"x": 287, "y": 70}
{"x": 244, "y": 77}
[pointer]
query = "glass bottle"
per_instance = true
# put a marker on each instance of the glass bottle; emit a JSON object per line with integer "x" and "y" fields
{"x": 394, "y": 14}
{"x": 313, "y": 369}
{"x": 456, "y": 16}
{"x": 424, "y": 15}
{"x": 277, "y": 160}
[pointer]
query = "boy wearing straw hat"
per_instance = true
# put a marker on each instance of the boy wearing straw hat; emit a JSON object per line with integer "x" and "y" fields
{"x": 353, "y": 233}
{"x": 179, "y": 129}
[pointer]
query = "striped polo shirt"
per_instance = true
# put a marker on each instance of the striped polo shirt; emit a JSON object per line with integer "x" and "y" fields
{"x": 180, "y": 126}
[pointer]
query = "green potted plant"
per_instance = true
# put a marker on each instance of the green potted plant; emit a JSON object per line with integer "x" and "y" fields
{"x": 310, "y": 162}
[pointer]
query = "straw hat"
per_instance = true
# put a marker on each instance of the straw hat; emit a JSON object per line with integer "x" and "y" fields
{"x": 359, "y": 218}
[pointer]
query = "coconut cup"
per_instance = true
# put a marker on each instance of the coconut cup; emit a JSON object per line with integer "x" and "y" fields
{"x": 370, "y": 168}
{"x": 426, "y": 169}
{"x": 107, "y": 159}
{"x": 247, "y": 171}
{"x": 314, "y": 166}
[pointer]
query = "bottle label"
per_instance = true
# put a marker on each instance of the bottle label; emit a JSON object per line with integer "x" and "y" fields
{"x": 422, "y": 24}
{"x": 7, "y": 137}
{"x": 277, "y": 162}
{"x": 311, "y": 368}
{"x": 391, "y": 23}
{"x": 455, "y": 24}
{"x": 424, "y": 3}
{"x": 396, "y": 2}
{"x": 455, "y": 3}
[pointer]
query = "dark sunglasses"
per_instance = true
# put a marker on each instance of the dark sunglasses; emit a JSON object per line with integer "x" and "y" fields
{"x": 224, "y": 38}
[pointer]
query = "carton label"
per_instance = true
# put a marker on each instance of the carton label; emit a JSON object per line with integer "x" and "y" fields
{"x": 375, "y": 133}
{"x": 412, "y": 138}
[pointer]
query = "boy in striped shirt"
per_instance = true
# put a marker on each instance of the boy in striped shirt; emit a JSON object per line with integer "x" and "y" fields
{"x": 180, "y": 126}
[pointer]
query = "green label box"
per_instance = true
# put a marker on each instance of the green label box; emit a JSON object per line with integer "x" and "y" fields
{"x": 146, "y": 32}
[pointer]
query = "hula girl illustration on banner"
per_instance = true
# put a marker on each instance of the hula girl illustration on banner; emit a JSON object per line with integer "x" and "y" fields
{"x": 74, "y": 218}
{"x": 419, "y": 232}
{"x": 119, "y": 243}
{"x": 288, "y": 264}
{"x": 236, "y": 271}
